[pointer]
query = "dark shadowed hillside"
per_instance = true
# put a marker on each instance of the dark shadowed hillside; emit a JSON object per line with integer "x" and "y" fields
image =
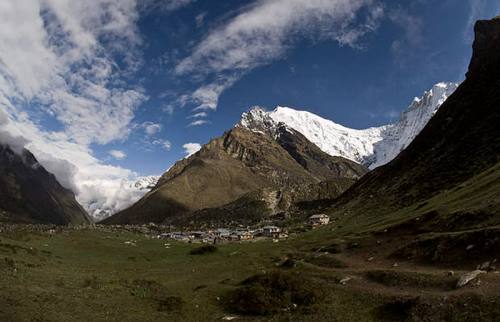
{"x": 455, "y": 157}
{"x": 30, "y": 194}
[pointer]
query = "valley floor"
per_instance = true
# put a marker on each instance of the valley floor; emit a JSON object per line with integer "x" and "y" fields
{"x": 91, "y": 275}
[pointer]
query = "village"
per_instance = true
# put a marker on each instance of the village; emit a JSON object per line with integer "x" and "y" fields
{"x": 240, "y": 234}
{"x": 206, "y": 236}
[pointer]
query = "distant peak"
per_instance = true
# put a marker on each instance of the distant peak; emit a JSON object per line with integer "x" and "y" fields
{"x": 435, "y": 96}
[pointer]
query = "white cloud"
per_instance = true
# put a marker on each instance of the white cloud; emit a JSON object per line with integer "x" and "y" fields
{"x": 151, "y": 128}
{"x": 57, "y": 58}
{"x": 117, "y": 154}
{"x": 191, "y": 148}
{"x": 198, "y": 115}
{"x": 200, "y": 19}
{"x": 97, "y": 185}
{"x": 264, "y": 31}
{"x": 207, "y": 96}
{"x": 166, "y": 144}
{"x": 198, "y": 123}
{"x": 52, "y": 55}
{"x": 15, "y": 142}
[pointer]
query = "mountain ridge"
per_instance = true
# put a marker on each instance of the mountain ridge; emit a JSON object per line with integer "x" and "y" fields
{"x": 371, "y": 147}
{"x": 460, "y": 143}
{"x": 228, "y": 167}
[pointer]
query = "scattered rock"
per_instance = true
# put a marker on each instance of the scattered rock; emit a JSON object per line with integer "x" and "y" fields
{"x": 468, "y": 277}
{"x": 395, "y": 265}
{"x": 289, "y": 263}
{"x": 229, "y": 318}
{"x": 345, "y": 280}
{"x": 487, "y": 266}
{"x": 369, "y": 259}
{"x": 484, "y": 266}
{"x": 469, "y": 247}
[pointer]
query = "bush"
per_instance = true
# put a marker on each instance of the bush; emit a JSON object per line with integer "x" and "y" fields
{"x": 169, "y": 303}
{"x": 206, "y": 249}
{"x": 273, "y": 292}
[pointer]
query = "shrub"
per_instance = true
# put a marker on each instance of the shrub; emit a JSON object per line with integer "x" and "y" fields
{"x": 206, "y": 249}
{"x": 273, "y": 292}
{"x": 169, "y": 303}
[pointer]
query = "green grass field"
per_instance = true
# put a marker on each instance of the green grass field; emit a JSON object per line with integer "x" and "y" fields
{"x": 92, "y": 275}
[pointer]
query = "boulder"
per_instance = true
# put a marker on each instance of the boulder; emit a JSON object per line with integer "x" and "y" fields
{"x": 468, "y": 277}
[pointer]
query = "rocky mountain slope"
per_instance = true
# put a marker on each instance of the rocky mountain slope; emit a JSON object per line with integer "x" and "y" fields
{"x": 239, "y": 162}
{"x": 30, "y": 194}
{"x": 265, "y": 204}
{"x": 449, "y": 173}
{"x": 372, "y": 147}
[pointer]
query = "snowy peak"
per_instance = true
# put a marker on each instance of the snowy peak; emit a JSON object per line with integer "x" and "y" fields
{"x": 372, "y": 147}
{"x": 332, "y": 138}
{"x": 433, "y": 98}
{"x": 399, "y": 135}
{"x": 258, "y": 119}
{"x": 144, "y": 183}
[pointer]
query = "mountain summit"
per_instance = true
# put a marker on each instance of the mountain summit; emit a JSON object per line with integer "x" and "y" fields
{"x": 239, "y": 162}
{"x": 371, "y": 147}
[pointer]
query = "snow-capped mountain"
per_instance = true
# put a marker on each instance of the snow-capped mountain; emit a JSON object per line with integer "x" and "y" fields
{"x": 372, "y": 147}
{"x": 399, "y": 135}
{"x": 330, "y": 137}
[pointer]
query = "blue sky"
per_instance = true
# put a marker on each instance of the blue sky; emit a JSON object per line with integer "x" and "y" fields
{"x": 103, "y": 91}
{"x": 360, "y": 86}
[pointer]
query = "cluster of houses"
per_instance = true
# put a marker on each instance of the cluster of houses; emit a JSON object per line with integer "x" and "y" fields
{"x": 223, "y": 235}
{"x": 239, "y": 234}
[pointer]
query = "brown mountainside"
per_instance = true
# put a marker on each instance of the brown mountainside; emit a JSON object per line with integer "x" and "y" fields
{"x": 239, "y": 162}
